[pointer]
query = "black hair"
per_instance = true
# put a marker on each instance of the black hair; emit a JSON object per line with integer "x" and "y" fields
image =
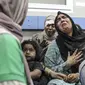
{"x": 24, "y": 43}
{"x": 35, "y": 45}
{"x": 74, "y": 27}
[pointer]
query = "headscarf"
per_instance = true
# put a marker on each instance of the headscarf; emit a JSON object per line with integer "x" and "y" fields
{"x": 12, "y": 15}
{"x": 70, "y": 43}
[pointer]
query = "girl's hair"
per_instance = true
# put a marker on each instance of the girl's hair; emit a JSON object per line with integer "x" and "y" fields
{"x": 35, "y": 45}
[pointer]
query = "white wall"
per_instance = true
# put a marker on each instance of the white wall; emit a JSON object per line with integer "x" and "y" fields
{"x": 48, "y": 1}
{"x": 77, "y": 12}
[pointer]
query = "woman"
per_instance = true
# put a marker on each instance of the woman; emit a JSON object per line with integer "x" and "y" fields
{"x": 12, "y": 14}
{"x": 65, "y": 53}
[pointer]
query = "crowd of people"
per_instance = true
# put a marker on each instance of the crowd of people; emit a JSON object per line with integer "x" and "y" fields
{"x": 55, "y": 56}
{"x": 61, "y": 49}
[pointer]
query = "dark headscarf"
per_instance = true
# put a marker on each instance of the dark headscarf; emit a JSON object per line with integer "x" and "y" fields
{"x": 70, "y": 43}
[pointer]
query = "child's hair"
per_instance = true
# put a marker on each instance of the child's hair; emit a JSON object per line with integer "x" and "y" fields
{"x": 35, "y": 45}
{"x": 23, "y": 44}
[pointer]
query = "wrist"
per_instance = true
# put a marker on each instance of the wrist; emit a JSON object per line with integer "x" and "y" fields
{"x": 68, "y": 64}
{"x": 47, "y": 71}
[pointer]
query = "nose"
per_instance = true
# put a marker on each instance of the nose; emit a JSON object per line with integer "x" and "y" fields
{"x": 27, "y": 51}
{"x": 50, "y": 27}
{"x": 62, "y": 19}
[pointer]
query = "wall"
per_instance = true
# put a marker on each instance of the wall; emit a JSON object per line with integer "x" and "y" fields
{"x": 77, "y": 12}
{"x": 48, "y": 1}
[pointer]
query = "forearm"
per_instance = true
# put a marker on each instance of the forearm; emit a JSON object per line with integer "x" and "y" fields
{"x": 35, "y": 74}
{"x": 47, "y": 71}
{"x": 61, "y": 68}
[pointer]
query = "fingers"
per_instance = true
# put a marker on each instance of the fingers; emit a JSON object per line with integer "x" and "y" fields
{"x": 58, "y": 77}
{"x": 71, "y": 78}
{"x": 61, "y": 76}
{"x": 79, "y": 54}
{"x": 68, "y": 53}
{"x": 75, "y": 52}
{"x": 79, "y": 60}
{"x": 74, "y": 58}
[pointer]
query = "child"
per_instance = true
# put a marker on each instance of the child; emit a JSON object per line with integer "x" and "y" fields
{"x": 32, "y": 53}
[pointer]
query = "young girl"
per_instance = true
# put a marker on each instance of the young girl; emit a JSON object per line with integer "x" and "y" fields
{"x": 32, "y": 53}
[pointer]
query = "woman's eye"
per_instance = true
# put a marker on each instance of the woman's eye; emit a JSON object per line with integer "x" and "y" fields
{"x": 58, "y": 19}
{"x": 63, "y": 17}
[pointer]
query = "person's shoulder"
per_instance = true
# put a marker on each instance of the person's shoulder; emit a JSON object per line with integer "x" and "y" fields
{"x": 35, "y": 35}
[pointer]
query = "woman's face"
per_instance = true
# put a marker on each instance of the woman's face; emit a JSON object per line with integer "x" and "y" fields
{"x": 29, "y": 52}
{"x": 64, "y": 24}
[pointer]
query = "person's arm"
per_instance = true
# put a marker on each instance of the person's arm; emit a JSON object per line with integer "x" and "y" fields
{"x": 54, "y": 74}
{"x": 53, "y": 59}
{"x": 73, "y": 77}
{"x": 36, "y": 73}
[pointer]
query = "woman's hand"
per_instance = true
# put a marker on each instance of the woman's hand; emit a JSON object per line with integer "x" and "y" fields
{"x": 74, "y": 58}
{"x": 72, "y": 78}
{"x": 58, "y": 75}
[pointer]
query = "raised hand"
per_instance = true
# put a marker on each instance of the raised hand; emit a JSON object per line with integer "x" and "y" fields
{"x": 74, "y": 58}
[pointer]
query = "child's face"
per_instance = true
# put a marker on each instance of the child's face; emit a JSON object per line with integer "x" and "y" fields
{"x": 29, "y": 52}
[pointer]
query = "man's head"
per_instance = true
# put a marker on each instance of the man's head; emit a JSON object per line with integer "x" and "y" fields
{"x": 49, "y": 25}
